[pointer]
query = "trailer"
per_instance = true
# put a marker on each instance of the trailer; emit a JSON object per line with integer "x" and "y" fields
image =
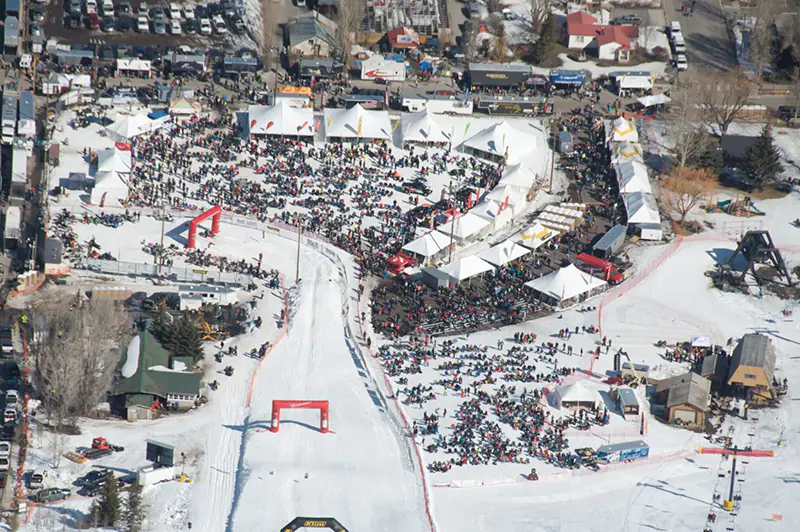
{"x": 437, "y": 104}
{"x": 623, "y": 452}
{"x": 26, "y": 125}
{"x": 611, "y": 242}
{"x": 515, "y": 105}
{"x": 19, "y": 175}
{"x": 13, "y": 226}
{"x": 565, "y": 146}
{"x": 11, "y": 36}
{"x": 376, "y": 67}
{"x": 9, "y": 116}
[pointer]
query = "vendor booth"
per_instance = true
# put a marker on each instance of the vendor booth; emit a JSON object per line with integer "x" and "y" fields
{"x": 566, "y": 287}
{"x": 281, "y": 119}
{"x": 356, "y": 123}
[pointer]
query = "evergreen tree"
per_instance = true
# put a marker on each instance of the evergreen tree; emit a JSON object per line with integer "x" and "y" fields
{"x": 185, "y": 340}
{"x": 108, "y": 506}
{"x": 161, "y": 328}
{"x": 763, "y": 160}
{"x": 547, "y": 36}
{"x": 135, "y": 510}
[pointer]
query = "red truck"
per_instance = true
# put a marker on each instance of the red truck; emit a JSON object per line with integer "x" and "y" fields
{"x": 599, "y": 268}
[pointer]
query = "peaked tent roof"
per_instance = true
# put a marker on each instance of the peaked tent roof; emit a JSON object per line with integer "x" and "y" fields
{"x": 114, "y": 160}
{"x": 627, "y": 151}
{"x": 128, "y": 126}
{"x": 502, "y": 192}
{"x": 621, "y": 130}
{"x": 494, "y": 211}
{"x": 503, "y": 253}
{"x": 280, "y": 119}
{"x": 428, "y": 244}
{"x": 500, "y": 139}
{"x": 641, "y": 208}
{"x": 565, "y": 283}
{"x": 466, "y": 225}
{"x": 632, "y": 177}
{"x": 467, "y": 267}
{"x": 422, "y": 127}
{"x": 357, "y": 122}
{"x": 534, "y": 236}
{"x": 519, "y": 176}
{"x": 577, "y": 392}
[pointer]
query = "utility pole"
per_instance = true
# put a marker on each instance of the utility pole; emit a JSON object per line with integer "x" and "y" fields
{"x": 452, "y": 222}
{"x": 297, "y": 262}
{"x": 161, "y": 250}
{"x": 553, "y": 155}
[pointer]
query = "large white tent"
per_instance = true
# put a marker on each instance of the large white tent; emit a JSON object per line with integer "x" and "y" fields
{"x": 519, "y": 176}
{"x": 494, "y": 211}
{"x": 641, "y": 208}
{"x": 577, "y": 395}
{"x": 428, "y": 244}
{"x": 422, "y": 127}
{"x": 126, "y": 127}
{"x": 114, "y": 160}
{"x": 507, "y": 195}
{"x": 632, "y": 177}
{"x": 627, "y": 151}
{"x": 503, "y": 253}
{"x": 499, "y": 140}
{"x": 566, "y": 286}
{"x": 534, "y": 236}
{"x": 621, "y": 130}
{"x": 280, "y": 119}
{"x": 466, "y": 226}
{"x": 467, "y": 267}
{"x": 110, "y": 188}
{"x": 357, "y": 123}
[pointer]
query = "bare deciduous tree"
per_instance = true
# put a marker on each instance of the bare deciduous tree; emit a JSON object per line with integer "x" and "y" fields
{"x": 723, "y": 96}
{"x": 691, "y": 136}
{"x": 538, "y": 11}
{"x": 762, "y": 37}
{"x": 76, "y": 352}
{"x": 687, "y": 187}
{"x": 351, "y": 15}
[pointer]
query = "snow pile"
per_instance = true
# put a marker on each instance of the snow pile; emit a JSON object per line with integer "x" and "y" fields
{"x": 131, "y": 358}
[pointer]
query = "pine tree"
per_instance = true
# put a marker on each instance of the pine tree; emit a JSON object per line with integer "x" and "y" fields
{"x": 135, "y": 510}
{"x": 108, "y": 505}
{"x": 185, "y": 340}
{"x": 541, "y": 48}
{"x": 763, "y": 162}
{"x": 161, "y": 328}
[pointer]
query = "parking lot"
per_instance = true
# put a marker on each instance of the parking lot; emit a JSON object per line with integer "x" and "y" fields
{"x": 82, "y": 22}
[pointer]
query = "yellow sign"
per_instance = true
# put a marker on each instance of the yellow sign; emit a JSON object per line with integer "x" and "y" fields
{"x": 315, "y": 524}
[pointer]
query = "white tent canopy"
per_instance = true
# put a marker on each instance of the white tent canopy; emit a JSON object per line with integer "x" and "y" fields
{"x": 627, "y": 151}
{"x": 466, "y": 225}
{"x": 422, "y": 127}
{"x": 632, "y": 177}
{"x": 701, "y": 341}
{"x": 641, "y": 208}
{"x": 357, "y": 122}
{"x": 501, "y": 193}
{"x": 467, "y": 267}
{"x": 519, "y": 176}
{"x": 280, "y": 119}
{"x": 114, "y": 160}
{"x": 504, "y": 253}
{"x": 621, "y": 130}
{"x": 125, "y": 127}
{"x": 110, "y": 188}
{"x": 567, "y": 283}
{"x": 500, "y": 139}
{"x": 428, "y": 244}
{"x": 577, "y": 394}
{"x": 655, "y": 99}
{"x": 534, "y": 236}
{"x": 494, "y": 212}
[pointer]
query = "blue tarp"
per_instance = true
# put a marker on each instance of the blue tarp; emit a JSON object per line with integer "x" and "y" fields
{"x": 157, "y": 114}
{"x": 566, "y": 77}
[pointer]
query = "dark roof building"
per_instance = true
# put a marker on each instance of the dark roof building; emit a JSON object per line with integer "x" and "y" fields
{"x": 753, "y": 362}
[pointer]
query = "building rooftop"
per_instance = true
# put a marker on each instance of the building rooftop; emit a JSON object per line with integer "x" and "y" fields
{"x": 691, "y": 389}
{"x": 754, "y": 350}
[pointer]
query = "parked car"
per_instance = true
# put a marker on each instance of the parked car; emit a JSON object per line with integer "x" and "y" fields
{"x": 5, "y": 463}
{"x": 680, "y": 62}
{"x": 91, "y": 7}
{"x": 95, "y": 488}
{"x": 190, "y": 26}
{"x": 108, "y": 24}
{"x": 7, "y": 433}
{"x": 188, "y": 12}
{"x": 36, "y": 30}
{"x": 160, "y": 25}
{"x": 52, "y": 495}
{"x": 107, "y": 7}
{"x": 158, "y": 11}
{"x": 142, "y": 26}
{"x": 3, "y": 477}
{"x": 228, "y": 9}
{"x": 219, "y": 25}
{"x": 75, "y": 7}
{"x": 5, "y": 448}
{"x": 175, "y": 27}
{"x": 674, "y": 29}
{"x": 200, "y": 11}
{"x": 37, "y": 478}
{"x": 627, "y": 20}
{"x": 205, "y": 26}
{"x": 125, "y": 8}
{"x": 13, "y": 374}
{"x": 125, "y": 23}
{"x": 37, "y": 14}
{"x": 90, "y": 478}
{"x": 174, "y": 11}
{"x": 9, "y": 415}
{"x": 143, "y": 9}
{"x": 12, "y": 398}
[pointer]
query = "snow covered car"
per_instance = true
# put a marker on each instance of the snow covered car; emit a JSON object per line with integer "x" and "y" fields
{"x": 142, "y": 25}
{"x": 219, "y": 25}
{"x": 188, "y": 12}
{"x": 205, "y": 26}
{"x": 10, "y": 415}
{"x": 5, "y": 449}
{"x": 175, "y": 27}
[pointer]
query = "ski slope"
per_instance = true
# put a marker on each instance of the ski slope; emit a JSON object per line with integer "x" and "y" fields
{"x": 362, "y": 473}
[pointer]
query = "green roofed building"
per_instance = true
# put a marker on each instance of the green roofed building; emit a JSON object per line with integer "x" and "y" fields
{"x": 149, "y": 374}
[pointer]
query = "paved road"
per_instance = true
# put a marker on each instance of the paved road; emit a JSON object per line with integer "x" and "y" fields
{"x": 708, "y": 44}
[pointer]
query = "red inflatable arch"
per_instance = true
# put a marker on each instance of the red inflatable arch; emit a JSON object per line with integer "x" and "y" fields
{"x": 215, "y": 212}
{"x": 278, "y": 405}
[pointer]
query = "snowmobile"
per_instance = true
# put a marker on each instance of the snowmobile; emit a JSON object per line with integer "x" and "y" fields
{"x": 228, "y": 371}
{"x": 661, "y": 343}
{"x": 532, "y": 475}
{"x": 796, "y": 223}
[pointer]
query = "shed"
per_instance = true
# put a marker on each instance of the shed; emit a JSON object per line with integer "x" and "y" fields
{"x": 611, "y": 242}
{"x": 753, "y": 363}
{"x": 688, "y": 400}
{"x": 715, "y": 367}
{"x": 627, "y": 401}
{"x": 319, "y": 68}
{"x": 621, "y": 452}
{"x": 435, "y": 278}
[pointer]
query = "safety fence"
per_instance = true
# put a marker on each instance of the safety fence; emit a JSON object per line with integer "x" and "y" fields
{"x": 184, "y": 274}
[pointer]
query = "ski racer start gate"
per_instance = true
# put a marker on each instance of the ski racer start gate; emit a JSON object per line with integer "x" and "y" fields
{"x": 314, "y": 522}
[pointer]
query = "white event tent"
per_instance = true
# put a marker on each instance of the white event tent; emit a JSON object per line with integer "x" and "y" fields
{"x": 125, "y": 127}
{"x": 466, "y": 226}
{"x": 632, "y": 177}
{"x": 422, "y": 127}
{"x": 501, "y": 140}
{"x": 621, "y": 130}
{"x": 566, "y": 286}
{"x": 503, "y": 253}
{"x": 357, "y": 123}
{"x": 641, "y": 208}
{"x": 577, "y": 395}
{"x": 280, "y": 119}
{"x": 114, "y": 160}
{"x": 494, "y": 212}
{"x": 518, "y": 176}
{"x": 463, "y": 269}
{"x": 501, "y": 193}
{"x": 627, "y": 151}
{"x": 110, "y": 188}
{"x": 534, "y": 236}
{"x": 428, "y": 244}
